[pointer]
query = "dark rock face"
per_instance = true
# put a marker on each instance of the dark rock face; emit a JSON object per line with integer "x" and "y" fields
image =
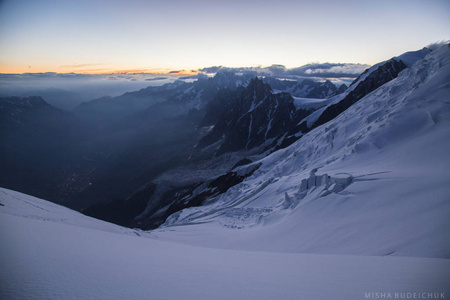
{"x": 341, "y": 89}
{"x": 221, "y": 102}
{"x": 281, "y": 85}
{"x": 325, "y": 90}
{"x": 374, "y": 80}
{"x": 250, "y": 117}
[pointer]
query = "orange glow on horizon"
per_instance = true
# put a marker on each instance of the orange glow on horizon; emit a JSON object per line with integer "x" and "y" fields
{"x": 97, "y": 71}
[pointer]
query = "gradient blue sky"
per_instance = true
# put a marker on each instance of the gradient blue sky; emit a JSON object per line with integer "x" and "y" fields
{"x": 106, "y": 36}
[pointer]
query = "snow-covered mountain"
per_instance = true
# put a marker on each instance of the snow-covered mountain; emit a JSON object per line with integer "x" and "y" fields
{"x": 180, "y": 97}
{"x": 372, "y": 181}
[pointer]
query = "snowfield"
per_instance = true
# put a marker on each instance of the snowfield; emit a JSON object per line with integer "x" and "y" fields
{"x": 358, "y": 208}
{"x": 51, "y": 252}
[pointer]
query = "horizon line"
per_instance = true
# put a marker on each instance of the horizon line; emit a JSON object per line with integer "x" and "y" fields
{"x": 167, "y": 71}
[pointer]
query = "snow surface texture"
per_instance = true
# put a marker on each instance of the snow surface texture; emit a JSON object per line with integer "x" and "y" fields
{"x": 51, "y": 252}
{"x": 373, "y": 181}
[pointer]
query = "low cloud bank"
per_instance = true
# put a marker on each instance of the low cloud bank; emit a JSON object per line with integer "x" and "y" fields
{"x": 316, "y": 71}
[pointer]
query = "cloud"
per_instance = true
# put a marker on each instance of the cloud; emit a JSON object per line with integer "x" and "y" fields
{"x": 156, "y": 78}
{"x": 333, "y": 70}
{"x": 196, "y": 76}
{"x": 87, "y": 86}
{"x": 183, "y": 72}
{"x": 317, "y": 70}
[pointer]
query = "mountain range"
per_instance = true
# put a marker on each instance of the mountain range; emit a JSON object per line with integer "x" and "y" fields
{"x": 106, "y": 149}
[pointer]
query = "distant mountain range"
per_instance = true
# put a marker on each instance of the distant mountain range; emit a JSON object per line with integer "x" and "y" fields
{"x": 75, "y": 155}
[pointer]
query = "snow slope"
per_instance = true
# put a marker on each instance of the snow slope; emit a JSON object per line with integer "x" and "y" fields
{"x": 50, "y": 252}
{"x": 409, "y": 58}
{"x": 386, "y": 189}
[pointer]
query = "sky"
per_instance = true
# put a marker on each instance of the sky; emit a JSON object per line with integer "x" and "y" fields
{"x": 159, "y": 36}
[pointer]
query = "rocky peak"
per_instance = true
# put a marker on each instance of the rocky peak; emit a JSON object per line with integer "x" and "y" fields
{"x": 342, "y": 88}
{"x": 250, "y": 117}
{"x": 255, "y": 92}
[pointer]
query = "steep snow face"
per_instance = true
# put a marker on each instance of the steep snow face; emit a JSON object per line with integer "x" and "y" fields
{"x": 373, "y": 181}
{"x": 50, "y": 252}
